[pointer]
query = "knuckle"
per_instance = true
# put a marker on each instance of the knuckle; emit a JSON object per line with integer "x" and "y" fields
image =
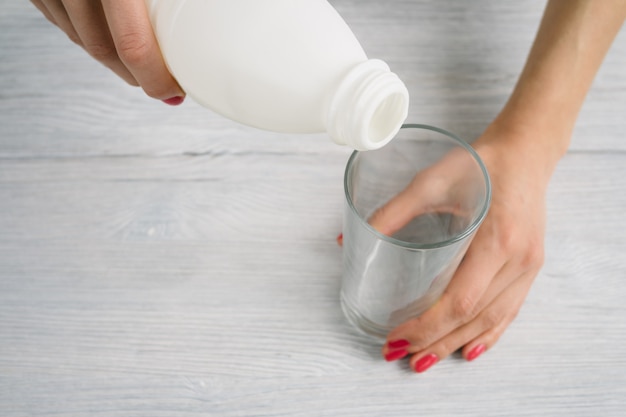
{"x": 445, "y": 347}
{"x": 133, "y": 48}
{"x": 419, "y": 339}
{"x": 492, "y": 318}
{"x": 418, "y": 331}
{"x": 507, "y": 241}
{"x": 101, "y": 51}
{"x": 534, "y": 256}
{"x": 463, "y": 308}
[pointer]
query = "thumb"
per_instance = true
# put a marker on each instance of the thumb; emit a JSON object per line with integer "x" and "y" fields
{"x": 396, "y": 213}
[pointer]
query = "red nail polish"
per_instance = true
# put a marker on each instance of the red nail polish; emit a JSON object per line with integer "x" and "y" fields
{"x": 426, "y": 362}
{"x": 398, "y": 344}
{"x": 174, "y": 101}
{"x": 395, "y": 355}
{"x": 340, "y": 239}
{"x": 475, "y": 352}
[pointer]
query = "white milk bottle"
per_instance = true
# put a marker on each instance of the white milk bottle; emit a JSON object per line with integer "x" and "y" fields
{"x": 280, "y": 65}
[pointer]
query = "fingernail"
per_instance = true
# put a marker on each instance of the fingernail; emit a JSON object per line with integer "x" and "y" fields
{"x": 426, "y": 362}
{"x": 475, "y": 352}
{"x": 174, "y": 101}
{"x": 340, "y": 239}
{"x": 395, "y": 355}
{"x": 398, "y": 344}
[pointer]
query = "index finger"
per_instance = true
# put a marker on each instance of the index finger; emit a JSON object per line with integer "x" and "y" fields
{"x": 438, "y": 188}
{"x": 138, "y": 49}
{"x": 396, "y": 213}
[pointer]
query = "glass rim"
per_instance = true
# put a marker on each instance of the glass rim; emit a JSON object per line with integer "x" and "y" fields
{"x": 447, "y": 242}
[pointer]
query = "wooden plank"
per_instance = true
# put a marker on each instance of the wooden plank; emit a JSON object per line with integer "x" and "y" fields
{"x": 159, "y": 261}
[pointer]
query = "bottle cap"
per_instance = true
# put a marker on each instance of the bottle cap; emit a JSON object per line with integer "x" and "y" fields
{"x": 368, "y": 108}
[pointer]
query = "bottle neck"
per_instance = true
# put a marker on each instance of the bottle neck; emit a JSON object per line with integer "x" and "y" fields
{"x": 368, "y": 108}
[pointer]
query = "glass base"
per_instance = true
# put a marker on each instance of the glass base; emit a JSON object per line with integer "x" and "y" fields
{"x": 363, "y": 325}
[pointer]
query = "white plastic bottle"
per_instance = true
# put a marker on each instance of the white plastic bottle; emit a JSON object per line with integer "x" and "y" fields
{"x": 280, "y": 65}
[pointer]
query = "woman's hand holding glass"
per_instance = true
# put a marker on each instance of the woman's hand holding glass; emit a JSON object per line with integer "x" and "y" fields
{"x": 501, "y": 263}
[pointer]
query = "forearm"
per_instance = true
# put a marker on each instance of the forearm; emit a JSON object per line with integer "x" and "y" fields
{"x": 571, "y": 43}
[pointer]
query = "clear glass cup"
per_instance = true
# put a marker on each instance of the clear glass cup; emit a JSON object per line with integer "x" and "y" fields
{"x": 442, "y": 194}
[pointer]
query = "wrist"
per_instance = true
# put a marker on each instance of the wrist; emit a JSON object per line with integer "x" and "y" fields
{"x": 529, "y": 148}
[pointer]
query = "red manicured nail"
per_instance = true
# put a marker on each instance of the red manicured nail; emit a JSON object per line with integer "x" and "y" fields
{"x": 398, "y": 344}
{"x": 395, "y": 355}
{"x": 174, "y": 101}
{"x": 340, "y": 239}
{"x": 475, "y": 352}
{"x": 426, "y": 362}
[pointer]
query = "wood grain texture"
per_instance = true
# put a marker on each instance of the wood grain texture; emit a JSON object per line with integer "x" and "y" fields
{"x": 159, "y": 261}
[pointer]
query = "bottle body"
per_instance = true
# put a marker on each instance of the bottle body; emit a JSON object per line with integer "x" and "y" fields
{"x": 272, "y": 64}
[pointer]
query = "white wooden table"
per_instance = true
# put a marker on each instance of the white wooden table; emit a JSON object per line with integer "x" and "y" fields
{"x": 159, "y": 261}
